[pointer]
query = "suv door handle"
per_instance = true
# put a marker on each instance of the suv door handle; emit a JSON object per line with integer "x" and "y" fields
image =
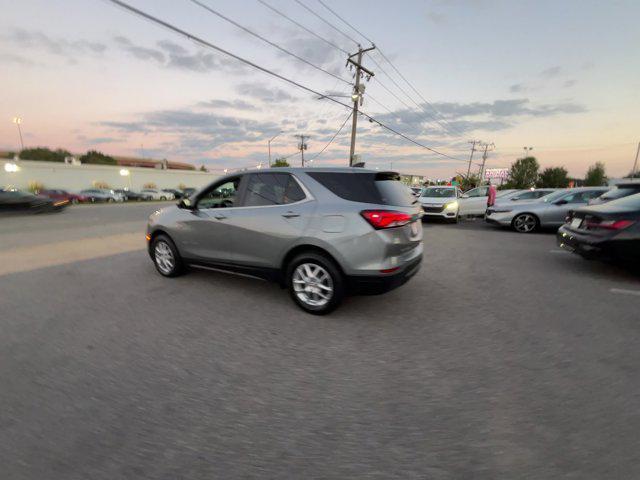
{"x": 219, "y": 216}
{"x": 290, "y": 215}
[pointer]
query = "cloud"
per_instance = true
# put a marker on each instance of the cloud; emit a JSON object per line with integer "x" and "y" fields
{"x": 141, "y": 53}
{"x": 231, "y": 104}
{"x": 551, "y": 71}
{"x": 16, "y": 59}
{"x": 263, "y": 93}
{"x": 505, "y": 108}
{"x": 70, "y": 49}
{"x": 436, "y": 18}
{"x": 517, "y": 88}
{"x": 569, "y": 83}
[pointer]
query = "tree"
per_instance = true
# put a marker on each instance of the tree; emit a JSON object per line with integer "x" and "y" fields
{"x": 633, "y": 175}
{"x": 203, "y": 168}
{"x": 595, "y": 176}
{"x": 149, "y": 185}
{"x": 97, "y": 158}
{"x": 467, "y": 183}
{"x": 280, "y": 162}
{"x": 524, "y": 173}
{"x": 44, "y": 154}
{"x": 554, "y": 177}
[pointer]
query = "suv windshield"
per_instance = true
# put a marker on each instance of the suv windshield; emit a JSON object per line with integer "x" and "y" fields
{"x": 436, "y": 192}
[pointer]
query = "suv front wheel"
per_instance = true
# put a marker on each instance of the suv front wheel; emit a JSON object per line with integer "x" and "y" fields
{"x": 166, "y": 256}
{"x": 315, "y": 283}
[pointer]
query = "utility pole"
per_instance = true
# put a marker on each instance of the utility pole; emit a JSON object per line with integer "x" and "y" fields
{"x": 18, "y": 121}
{"x": 358, "y": 92}
{"x": 635, "y": 163}
{"x": 484, "y": 158}
{"x": 269, "y": 144}
{"x": 473, "y": 149}
{"x": 302, "y": 146}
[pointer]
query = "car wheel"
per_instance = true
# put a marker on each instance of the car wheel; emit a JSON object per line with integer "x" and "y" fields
{"x": 454, "y": 219}
{"x": 163, "y": 198}
{"x": 74, "y": 201}
{"x": 166, "y": 257}
{"x": 315, "y": 283}
{"x": 109, "y": 200}
{"x": 93, "y": 200}
{"x": 525, "y": 223}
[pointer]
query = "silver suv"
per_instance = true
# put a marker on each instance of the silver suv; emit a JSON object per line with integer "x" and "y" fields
{"x": 320, "y": 232}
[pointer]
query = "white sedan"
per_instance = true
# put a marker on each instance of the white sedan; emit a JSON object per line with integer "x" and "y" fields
{"x": 156, "y": 194}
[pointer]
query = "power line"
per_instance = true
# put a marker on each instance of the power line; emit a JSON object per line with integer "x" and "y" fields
{"x": 396, "y": 70}
{"x": 345, "y": 22}
{"x": 210, "y": 45}
{"x": 326, "y": 21}
{"x": 308, "y": 30}
{"x": 332, "y": 138}
{"x": 266, "y": 40}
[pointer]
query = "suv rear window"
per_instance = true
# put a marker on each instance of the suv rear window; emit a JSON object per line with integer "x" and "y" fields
{"x": 366, "y": 187}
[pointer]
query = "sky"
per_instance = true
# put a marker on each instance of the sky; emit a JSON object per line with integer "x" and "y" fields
{"x": 560, "y": 76}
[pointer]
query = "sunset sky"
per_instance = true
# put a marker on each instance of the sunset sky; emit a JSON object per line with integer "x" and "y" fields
{"x": 560, "y": 76}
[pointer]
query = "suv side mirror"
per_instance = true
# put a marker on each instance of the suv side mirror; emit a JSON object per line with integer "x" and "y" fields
{"x": 186, "y": 204}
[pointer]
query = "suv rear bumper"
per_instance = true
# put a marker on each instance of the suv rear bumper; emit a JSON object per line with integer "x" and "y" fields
{"x": 378, "y": 284}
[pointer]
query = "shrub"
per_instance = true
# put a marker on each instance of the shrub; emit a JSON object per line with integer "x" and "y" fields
{"x": 44, "y": 154}
{"x": 100, "y": 184}
{"x": 182, "y": 186}
{"x": 149, "y": 185}
{"x": 97, "y": 158}
{"x": 35, "y": 187}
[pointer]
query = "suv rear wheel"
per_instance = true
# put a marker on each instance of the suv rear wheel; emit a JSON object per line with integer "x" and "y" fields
{"x": 166, "y": 257}
{"x": 315, "y": 283}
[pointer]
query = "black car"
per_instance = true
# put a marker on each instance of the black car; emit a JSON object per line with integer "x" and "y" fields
{"x": 610, "y": 230}
{"x": 130, "y": 195}
{"x": 17, "y": 201}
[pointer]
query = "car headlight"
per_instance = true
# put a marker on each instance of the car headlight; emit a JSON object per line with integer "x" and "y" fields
{"x": 451, "y": 205}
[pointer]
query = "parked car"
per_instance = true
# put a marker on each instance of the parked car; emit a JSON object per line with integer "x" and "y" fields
{"x": 440, "y": 202}
{"x": 102, "y": 195}
{"x": 550, "y": 211}
{"x": 156, "y": 194}
{"x": 17, "y": 201}
{"x": 416, "y": 191}
{"x": 474, "y": 201}
{"x": 177, "y": 194}
{"x": 187, "y": 192}
{"x": 609, "y": 230}
{"x": 58, "y": 194}
{"x": 619, "y": 191}
{"x": 130, "y": 195}
{"x": 320, "y": 232}
{"x": 525, "y": 195}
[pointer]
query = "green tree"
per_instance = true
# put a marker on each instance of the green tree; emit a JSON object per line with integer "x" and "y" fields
{"x": 44, "y": 154}
{"x": 554, "y": 177}
{"x": 280, "y": 162}
{"x": 203, "y": 168}
{"x": 97, "y": 158}
{"x": 524, "y": 173}
{"x": 596, "y": 176}
{"x": 467, "y": 183}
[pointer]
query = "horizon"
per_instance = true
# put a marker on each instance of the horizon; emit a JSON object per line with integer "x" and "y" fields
{"x": 572, "y": 95}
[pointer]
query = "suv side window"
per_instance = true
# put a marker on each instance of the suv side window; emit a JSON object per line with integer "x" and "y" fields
{"x": 222, "y": 195}
{"x": 478, "y": 192}
{"x": 272, "y": 189}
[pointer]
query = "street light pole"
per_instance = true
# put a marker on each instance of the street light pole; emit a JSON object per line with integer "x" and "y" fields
{"x": 358, "y": 92}
{"x": 527, "y": 151}
{"x": 269, "y": 144}
{"x": 18, "y": 121}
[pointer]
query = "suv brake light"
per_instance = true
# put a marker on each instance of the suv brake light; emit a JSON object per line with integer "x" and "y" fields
{"x": 385, "y": 218}
{"x": 610, "y": 224}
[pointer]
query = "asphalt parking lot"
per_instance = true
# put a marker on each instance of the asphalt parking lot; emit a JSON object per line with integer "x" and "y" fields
{"x": 503, "y": 358}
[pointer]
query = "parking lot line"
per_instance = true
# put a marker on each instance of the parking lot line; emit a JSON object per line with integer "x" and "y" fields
{"x": 558, "y": 251}
{"x": 622, "y": 291}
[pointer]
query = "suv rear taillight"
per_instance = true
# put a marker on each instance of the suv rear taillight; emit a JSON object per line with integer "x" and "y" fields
{"x": 610, "y": 224}
{"x": 385, "y": 218}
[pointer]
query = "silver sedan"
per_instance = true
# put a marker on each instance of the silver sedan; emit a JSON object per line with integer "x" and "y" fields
{"x": 550, "y": 211}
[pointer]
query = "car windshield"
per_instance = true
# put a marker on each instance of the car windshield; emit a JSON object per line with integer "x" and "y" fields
{"x": 555, "y": 196}
{"x": 632, "y": 202}
{"x": 435, "y": 192}
{"x": 620, "y": 192}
